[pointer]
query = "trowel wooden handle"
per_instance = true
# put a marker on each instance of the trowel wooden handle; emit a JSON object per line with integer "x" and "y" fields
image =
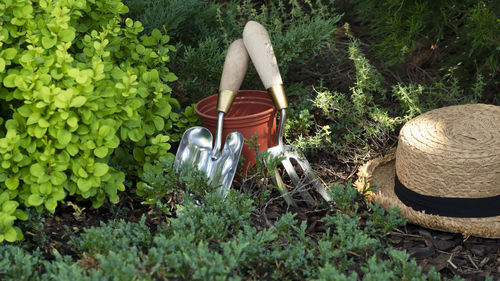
{"x": 235, "y": 67}
{"x": 260, "y": 49}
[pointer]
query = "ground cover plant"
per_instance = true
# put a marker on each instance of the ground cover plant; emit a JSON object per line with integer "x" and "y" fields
{"x": 214, "y": 239}
{"x": 95, "y": 104}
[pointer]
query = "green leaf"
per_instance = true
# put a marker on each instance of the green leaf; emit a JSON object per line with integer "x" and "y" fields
{"x": 104, "y": 131}
{"x": 10, "y": 235}
{"x": 2, "y": 64}
{"x": 11, "y": 124}
{"x": 10, "y": 53}
{"x": 63, "y": 137}
{"x": 82, "y": 173}
{"x": 57, "y": 178}
{"x": 4, "y": 196}
{"x": 135, "y": 135}
{"x": 74, "y": 72}
{"x": 37, "y": 170}
{"x": 100, "y": 169}
{"x": 72, "y": 122}
{"x": 156, "y": 33}
{"x": 83, "y": 185}
{"x": 140, "y": 49}
{"x": 9, "y": 81}
{"x": 58, "y": 193}
{"x": 101, "y": 152}
{"x": 18, "y": 157}
{"x": 62, "y": 99}
{"x": 67, "y": 35}
{"x": 33, "y": 118}
{"x": 138, "y": 154}
{"x": 164, "y": 110}
{"x": 48, "y": 42}
{"x": 43, "y": 123}
{"x": 12, "y": 183}
{"x": 5, "y": 164}
{"x": 78, "y": 101}
{"x": 72, "y": 149}
{"x": 46, "y": 187}
{"x": 19, "y": 232}
{"x": 83, "y": 76}
{"x": 20, "y": 214}
{"x": 39, "y": 132}
{"x": 50, "y": 205}
{"x": 129, "y": 22}
{"x": 170, "y": 77}
{"x": 35, "y": 200}
{"x": 9, "y": 207}
{"x": 25, "y": 111}
{"x": 159, "y": 122}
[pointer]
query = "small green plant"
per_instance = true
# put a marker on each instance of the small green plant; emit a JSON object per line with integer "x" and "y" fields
{"x": 301, "y": 123}
{"x": 344, "y": 196}
{"x": 357, "y": 119}
{"x": 382, "y": 220}
{"x": 163, "y": 185}
{"x": 113, "y": 236}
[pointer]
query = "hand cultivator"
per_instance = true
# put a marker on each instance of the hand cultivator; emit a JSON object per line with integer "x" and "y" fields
{"x": 261, "y": 52}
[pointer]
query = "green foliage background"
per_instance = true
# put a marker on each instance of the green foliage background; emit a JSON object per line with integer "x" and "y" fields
{"x": 466, "y": 33}
{"x": 202, "y": 31}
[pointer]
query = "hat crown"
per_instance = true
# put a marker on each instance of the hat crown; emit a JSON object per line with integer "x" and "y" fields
{"x": 452, "y": 152}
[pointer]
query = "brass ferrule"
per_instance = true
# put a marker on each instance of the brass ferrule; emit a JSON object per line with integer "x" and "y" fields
{"x": 225, "y": 100}
{"x": 278, "y": 94}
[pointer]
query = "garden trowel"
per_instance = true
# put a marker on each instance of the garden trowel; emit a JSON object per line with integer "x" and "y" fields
{"x": 260, "y": 49}
{"x": 195, "y": 149}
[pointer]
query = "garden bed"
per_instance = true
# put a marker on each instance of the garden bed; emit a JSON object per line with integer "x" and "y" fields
{"x": 164, "y": 228}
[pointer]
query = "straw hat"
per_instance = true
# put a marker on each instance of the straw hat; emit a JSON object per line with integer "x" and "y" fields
{"x": 445, "y": 172}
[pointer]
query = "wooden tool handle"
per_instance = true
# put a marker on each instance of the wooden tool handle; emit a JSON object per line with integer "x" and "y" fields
{"x": 235, "y": 67}
{"x": 260, "y": 49}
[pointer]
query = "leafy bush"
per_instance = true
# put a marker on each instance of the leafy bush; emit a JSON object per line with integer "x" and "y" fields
{"x": 203, "y": 30}
{"x": 78, "y": 83}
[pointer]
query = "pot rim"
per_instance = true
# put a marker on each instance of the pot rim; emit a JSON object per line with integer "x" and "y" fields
{"x": 243, "y": 96}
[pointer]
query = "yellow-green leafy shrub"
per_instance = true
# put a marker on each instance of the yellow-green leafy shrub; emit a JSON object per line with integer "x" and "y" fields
{"x": 76, "y": 83}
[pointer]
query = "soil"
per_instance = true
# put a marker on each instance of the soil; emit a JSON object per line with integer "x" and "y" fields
{"x": 450, "y": 254}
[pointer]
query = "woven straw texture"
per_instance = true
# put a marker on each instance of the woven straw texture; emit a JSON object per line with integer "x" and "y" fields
{"x": 449, "y": 152}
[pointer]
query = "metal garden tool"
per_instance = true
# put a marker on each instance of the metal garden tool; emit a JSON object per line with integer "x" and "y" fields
{"x": 195, "y": 148}
{"x": 261, "y": 52}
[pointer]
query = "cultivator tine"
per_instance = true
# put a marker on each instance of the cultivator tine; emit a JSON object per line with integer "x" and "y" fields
{"x": 290, "y": 170}
{"x": 292, "y": 153}
{"x": 278, "y": 181}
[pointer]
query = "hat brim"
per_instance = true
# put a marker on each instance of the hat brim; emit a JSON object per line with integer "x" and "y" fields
{"x": 379, "y": 174}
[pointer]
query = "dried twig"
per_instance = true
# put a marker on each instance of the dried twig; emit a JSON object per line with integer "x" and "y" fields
{"x": 472, "y": 261}
{"x": 451, "y": 263}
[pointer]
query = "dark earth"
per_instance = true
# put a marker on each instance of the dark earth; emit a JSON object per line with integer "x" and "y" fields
{"x": 471, "y": 258}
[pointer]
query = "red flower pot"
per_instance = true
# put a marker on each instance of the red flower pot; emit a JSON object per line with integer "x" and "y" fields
{"x": 252, "y": 112}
